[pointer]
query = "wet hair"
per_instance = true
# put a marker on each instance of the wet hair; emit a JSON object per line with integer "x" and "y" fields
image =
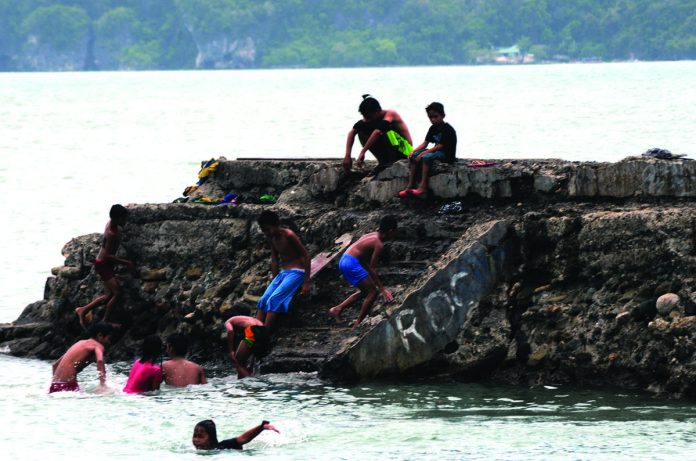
{"x": 436, "y": 107}
{"x": 152, "y": 349}
{"x": 179, "y": 343}
{"x": 100, "y": 327}
{"x": 369, "y": 105}
{"x": 118, "y": 211}
{"x": 268, "y": 218}
{"x": 388, "y": 223}
{"x": 208, "y": 425}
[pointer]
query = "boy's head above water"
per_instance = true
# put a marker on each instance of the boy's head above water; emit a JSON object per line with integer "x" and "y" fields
{"x": 177, "y": 345}
{"x": 101, "y": 331}
{"x": 205, "y": 435}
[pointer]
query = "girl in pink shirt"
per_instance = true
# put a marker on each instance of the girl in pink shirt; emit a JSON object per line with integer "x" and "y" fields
{"x": 145, "y": 375}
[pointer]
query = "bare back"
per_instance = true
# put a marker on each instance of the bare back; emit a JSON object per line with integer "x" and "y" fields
{"x": 398, "y": 124}
{"x": 80, "y": 354}
{"x": 367, "y": 249}
{"x": 180, "y": 372}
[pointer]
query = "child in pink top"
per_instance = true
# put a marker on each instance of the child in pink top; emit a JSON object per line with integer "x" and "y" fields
{"x": 145, "y": 375}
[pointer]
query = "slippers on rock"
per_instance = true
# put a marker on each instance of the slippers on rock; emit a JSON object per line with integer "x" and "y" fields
{"x": 479, "y": 164}
{"x": 404, "y": 193}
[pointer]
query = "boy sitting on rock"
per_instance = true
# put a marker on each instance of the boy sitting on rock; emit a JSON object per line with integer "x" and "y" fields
{"x": 444, "y": 138}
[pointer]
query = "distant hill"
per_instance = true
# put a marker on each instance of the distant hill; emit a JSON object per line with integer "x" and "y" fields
{"x": 188, "y": 34}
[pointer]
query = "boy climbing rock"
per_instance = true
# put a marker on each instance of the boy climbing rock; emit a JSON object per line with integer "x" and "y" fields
{"x": 358, "y": 266}
{"x": 105, "y": 264}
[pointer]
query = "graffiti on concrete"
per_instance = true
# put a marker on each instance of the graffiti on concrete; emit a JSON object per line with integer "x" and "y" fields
{"x": 405, "y": 333}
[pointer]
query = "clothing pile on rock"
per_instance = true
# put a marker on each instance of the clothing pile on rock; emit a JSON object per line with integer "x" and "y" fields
{"x": 662, "y": 154}
{"x": 451, "y": 208}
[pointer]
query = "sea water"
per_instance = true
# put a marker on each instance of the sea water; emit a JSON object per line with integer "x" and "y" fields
{"x": 72, "y": 144}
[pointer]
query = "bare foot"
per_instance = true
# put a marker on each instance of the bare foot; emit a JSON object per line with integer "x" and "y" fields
{"x": 336, "y": 314}
{"x": 80, "y": 311}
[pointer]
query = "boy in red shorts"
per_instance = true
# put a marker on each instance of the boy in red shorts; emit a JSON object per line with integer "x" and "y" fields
{"x": 81, "y": 354}
{"x": 105, "y": 263}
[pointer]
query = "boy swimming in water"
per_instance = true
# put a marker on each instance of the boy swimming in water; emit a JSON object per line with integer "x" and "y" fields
{"x": 178, "y": 371}
{"x": 81, "y": 354}
{"x": 288, "y": 252}
{"x": 358, "y": 266}
{"x": 105, "y": 263}
{"x": 205, "y": 436}
{"x": 256, "y": 342}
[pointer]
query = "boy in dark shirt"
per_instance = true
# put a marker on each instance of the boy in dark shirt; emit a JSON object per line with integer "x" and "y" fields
{"x": 205, "y": 436}
{"x": 444, "y": 138}
{"x": 381, "y": 131}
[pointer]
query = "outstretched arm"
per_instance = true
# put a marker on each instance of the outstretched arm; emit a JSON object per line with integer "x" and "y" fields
{"x": 251, "y": 434}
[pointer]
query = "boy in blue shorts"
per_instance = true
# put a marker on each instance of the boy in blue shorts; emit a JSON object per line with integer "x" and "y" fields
{"x": 444, "y": 138}
{"x": 288, "y": 253}
{"x": 358, "y": 266}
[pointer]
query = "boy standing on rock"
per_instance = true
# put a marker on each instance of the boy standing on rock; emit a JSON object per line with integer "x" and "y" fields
{"x": 81, "y": 354}
{"x": 294, "y": 269}
{"x": 105, "y": 264}
{"x": 358, "y": 266}
{"x": 178, "y": 371}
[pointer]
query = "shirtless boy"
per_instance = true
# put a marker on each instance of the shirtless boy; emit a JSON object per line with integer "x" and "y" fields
{"x": 81, "y": 354}
{"x": 382, "y": 132}
{"x": 105, "y": 263}
{"x": 288, "y": 253}
{"x": 178, "y": 371}
{"x": 358, "y": 266}
{"x": 256, "y": 342}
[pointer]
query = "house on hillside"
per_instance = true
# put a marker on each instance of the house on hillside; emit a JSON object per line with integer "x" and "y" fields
{"x": 513, "y": 55}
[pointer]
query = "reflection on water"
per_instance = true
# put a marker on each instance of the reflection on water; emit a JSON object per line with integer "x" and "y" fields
{"x": 319, "y": 422}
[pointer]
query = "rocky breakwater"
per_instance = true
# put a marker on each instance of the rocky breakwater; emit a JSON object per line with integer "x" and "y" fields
{"x": 553, "y": 272}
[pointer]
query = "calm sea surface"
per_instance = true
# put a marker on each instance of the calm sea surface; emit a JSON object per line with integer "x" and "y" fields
{"x": 71, "y": 144}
